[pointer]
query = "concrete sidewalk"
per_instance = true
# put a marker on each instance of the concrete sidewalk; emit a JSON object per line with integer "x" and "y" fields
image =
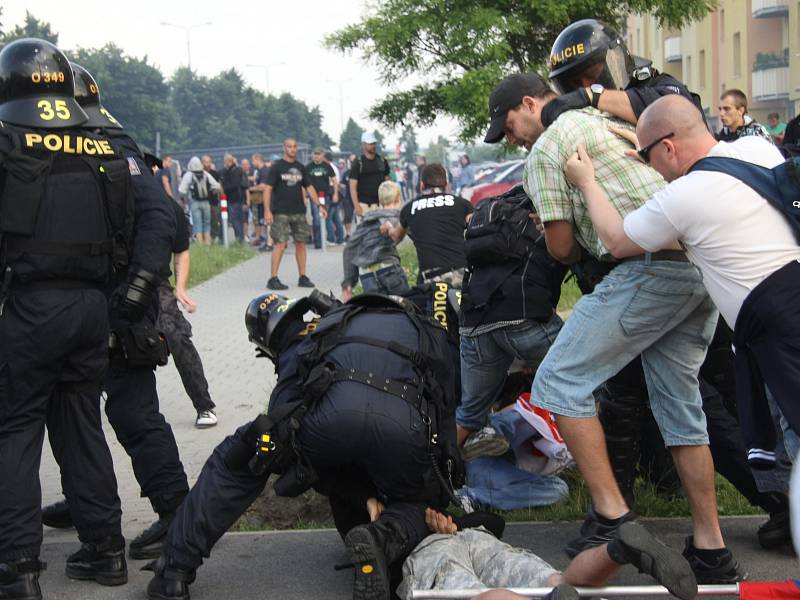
{"x": 240, "y": 384}
{"x": 297, "y": 565}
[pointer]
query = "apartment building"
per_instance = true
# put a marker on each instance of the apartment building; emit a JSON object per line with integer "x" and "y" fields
{"x": 752, "y": 45}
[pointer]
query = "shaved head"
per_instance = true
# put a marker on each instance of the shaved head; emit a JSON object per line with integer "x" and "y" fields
{"x": 678, "y": 134}
{"x": 672, "y": 113}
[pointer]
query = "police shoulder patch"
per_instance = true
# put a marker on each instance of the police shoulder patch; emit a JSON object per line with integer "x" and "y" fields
{"x": 133, "y": 166}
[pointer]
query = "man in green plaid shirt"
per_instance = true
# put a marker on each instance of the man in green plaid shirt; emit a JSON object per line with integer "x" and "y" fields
{"x": 654, "y": 306}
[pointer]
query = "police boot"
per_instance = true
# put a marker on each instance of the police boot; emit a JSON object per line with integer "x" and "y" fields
{"x": 19, "y": 579}
{"x": 170, "y": 581}
{"x": 102, "y": 561}
{"x": 148, "y": 543}
{"x": 57, "y": 515}
{"x": 372, "y": 548}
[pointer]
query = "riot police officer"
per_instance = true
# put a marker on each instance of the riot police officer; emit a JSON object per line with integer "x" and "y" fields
{"x": 64, "y": 206}
{"x": 353, "y": 415}
{"x": 590, "y": 66}
{"x": 137, "y": 348}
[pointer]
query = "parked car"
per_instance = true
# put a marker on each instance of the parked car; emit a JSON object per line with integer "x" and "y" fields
{"x": 502, "y": 180}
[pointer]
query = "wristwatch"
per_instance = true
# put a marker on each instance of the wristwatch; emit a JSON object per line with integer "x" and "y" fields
{"x": 597, "y": 89}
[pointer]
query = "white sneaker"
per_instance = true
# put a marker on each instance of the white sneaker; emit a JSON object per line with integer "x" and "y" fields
{"x": 205, "y": 419}
{"x": 484, "y": 442}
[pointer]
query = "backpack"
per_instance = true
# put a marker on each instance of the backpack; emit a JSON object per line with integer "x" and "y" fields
{"x": 500, "y": 229}
{"x": 199, "y": 187}
{"x": 780, "y": 186}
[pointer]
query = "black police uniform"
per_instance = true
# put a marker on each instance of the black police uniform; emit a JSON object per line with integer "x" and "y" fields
{"x": 361, "y": 441}
{"x": 55, "y": 253}
{"x": 132, "y": 399}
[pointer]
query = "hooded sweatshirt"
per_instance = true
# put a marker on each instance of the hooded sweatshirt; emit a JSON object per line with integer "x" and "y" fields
{"x": 367, "y": 246}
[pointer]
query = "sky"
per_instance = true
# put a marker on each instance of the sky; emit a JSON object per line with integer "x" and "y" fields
{"x": 285, "y": 37}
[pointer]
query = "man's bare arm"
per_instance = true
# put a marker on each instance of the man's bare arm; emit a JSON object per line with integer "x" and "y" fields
{"x": 560, "y": 240}
{"x": 617, "y": 103}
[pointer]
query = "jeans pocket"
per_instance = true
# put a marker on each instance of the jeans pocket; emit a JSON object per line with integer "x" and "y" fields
{"x": 394, "y": 281}
{"x": 649, "y": 311}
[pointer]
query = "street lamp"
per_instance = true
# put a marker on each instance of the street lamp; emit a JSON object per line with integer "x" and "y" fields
{"x": 187, "y": 30}
{"x": 266, "y": 71}
{"x": 339, "y": 82}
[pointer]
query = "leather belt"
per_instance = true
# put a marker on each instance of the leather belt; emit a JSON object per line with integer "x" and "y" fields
{"x": 672, "y": 255}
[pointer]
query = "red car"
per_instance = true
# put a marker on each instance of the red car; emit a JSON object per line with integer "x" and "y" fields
{"x": 502, "y": 181}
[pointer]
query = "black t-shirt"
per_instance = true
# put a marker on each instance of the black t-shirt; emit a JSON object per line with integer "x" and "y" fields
{"x": 369, "y": 174}
{"x": 287, "y": 180}
{"x": 181, "y": 241}
{"x": 262, "y": 174}
{"x": 436, "y": 222}
{"x": 320, "y": 176}
{"x": 792, "y": 133}
{"x": 161, "y": 174}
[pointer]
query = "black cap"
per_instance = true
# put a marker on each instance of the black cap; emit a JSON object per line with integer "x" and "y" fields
{"x": 507, "y": 96}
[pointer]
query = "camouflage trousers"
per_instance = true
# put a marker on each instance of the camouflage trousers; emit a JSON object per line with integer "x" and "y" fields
{"x": 470, "y": 559}
{"x": 178, "y": 332}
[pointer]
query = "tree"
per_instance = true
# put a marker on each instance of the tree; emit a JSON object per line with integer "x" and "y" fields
{"x": 437, "y": 151}
{"x": 350, "y": 140}
{"x": 461, "y": 48}
{"x": 32, "y": 27}
{"x": 408, "y": 143}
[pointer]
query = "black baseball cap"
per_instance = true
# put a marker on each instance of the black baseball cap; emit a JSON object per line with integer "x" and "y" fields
{"x": 508, "y": 95}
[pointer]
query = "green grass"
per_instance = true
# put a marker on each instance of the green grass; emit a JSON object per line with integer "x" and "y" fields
{"x": 208, "y": 261}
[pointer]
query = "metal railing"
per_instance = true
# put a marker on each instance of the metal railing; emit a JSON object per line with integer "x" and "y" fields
{"x": 770, "y": 84}
{"x": 672, "y": 49}
{"x": 764, "y": 9}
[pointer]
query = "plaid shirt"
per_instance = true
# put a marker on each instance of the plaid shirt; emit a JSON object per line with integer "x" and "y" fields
{"x": 627, "y": 183}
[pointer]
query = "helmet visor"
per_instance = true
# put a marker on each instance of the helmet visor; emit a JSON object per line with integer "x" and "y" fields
{"x": 606, "y": 67}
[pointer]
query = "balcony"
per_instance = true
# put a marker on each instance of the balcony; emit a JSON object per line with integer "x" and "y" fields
{"x": 771, "y": 84}
{"x": 766, "y": 9}
{"x": 672, "y": 49}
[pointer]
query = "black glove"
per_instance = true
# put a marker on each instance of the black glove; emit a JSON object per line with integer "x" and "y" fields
{"x": 575, "y": 99}
{"x": 134, "y": 296}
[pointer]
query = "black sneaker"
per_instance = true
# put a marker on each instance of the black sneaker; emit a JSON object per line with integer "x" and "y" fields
{"x": 721, "y": 571}
{"x": 594, "y": 533}
{"x": 775, "y": 532}
{"x": 276, "y": 284}
{"x": 57, "y": 515}
{"x": 652, "y": 557}
{"x": 148, "y": 543}
{"x": 305, "y": 282}
{"x": 102, "y": 561}
{"x": 371, "y": 573}
{"x": 563, "y": 591}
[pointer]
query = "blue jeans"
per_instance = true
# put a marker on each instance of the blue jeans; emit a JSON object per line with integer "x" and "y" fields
{"x": 498, "y": 483}
{"x": 389, "y": 280}
{"x": 333, "y": 223}
{"x": 657, "y": 309}
{"x": 201, "y": 216}
{"x": 485, "y": 360}
{"x": 236, "y": 219}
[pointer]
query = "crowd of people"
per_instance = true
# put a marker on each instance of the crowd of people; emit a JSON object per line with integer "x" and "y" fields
{"x": 463, "y": 387}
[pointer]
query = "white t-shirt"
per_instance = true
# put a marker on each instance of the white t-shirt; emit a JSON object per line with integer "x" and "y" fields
{"x": 734, "y": 236}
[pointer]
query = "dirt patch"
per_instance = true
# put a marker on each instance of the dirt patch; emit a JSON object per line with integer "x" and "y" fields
{"x": 309, "y": 510}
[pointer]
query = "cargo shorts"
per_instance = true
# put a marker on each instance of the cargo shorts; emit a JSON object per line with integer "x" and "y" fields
{"x": 284, "y": 225}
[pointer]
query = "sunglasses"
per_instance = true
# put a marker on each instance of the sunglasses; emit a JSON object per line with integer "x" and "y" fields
{"x": 644, "y": 153}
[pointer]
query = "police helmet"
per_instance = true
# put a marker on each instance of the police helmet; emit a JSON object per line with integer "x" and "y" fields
{"x": 87, "y": 94}
{"x": 268, "y": 316}
{"x": 589, "y": 50}
{"x": 37, "y": 86}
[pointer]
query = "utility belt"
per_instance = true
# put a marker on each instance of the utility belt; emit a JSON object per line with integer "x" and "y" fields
{"x": 375, "y": 267}
{"x": 139, "y": 346}
{"x": 8, "y": 281}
